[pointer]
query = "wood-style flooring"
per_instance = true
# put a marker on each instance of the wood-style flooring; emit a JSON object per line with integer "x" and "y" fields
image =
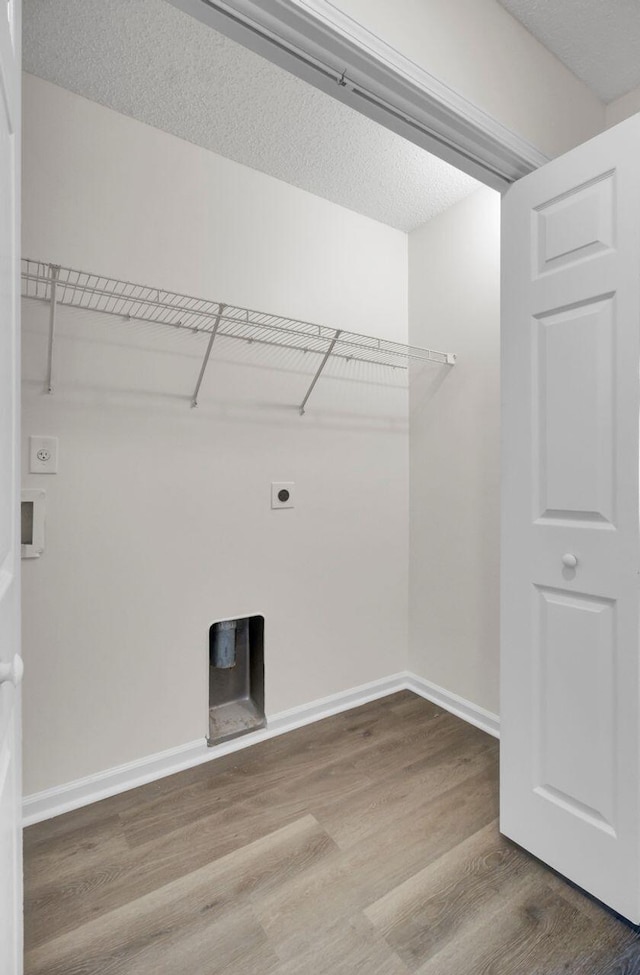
{"x": 366, "y": 843}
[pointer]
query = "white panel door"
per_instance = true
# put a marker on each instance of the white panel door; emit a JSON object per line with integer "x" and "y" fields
{"x": 10, "y": 662}
{"x": 570, "y": 684}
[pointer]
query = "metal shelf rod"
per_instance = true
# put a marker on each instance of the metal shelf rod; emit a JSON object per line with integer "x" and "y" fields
{"x": 347, "y": 356}
{"x": 237, "y": 316}
{"x": 89, "y": 292}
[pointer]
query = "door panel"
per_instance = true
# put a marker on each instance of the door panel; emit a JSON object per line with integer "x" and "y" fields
{"x": 573, "y": 397}
{"x": 576, "y": 225}
{"x": 574, "y": 734}
{"x": 570, "y": 775}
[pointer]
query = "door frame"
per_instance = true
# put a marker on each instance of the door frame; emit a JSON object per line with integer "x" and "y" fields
{"x": 333, "y": 52}
{"x": 10, "y": 83}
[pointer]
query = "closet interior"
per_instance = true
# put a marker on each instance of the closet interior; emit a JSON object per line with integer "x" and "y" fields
{"x": 252, "y": 395}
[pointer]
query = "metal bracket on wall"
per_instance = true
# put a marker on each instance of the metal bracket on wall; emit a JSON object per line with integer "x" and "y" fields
{"x": 54, "y": 272}
{"x": 214, "y": 332}
{"x": 315, "y": 379}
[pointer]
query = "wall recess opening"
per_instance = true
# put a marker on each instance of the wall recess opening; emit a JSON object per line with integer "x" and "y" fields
{"x": 26, "y": 522}
{"x": 32, "y": 507}
{"x": 236, "y": 678}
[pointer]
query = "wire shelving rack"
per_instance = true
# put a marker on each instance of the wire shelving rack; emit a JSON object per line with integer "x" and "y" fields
{"x": 64, "y": 286}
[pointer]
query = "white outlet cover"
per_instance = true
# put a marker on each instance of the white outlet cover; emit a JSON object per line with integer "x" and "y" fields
{"x": 283, "y": 494}
{"x": 43, "y": 455}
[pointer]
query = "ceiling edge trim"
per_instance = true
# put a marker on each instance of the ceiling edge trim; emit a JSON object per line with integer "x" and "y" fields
{"x": 322, "y": 45}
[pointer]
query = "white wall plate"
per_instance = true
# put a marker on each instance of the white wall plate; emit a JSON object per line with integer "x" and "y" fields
{"x": 43, "y": 455}
{"x": 283, "y": 494}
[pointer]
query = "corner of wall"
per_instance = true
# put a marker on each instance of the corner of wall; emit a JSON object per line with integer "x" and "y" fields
{"x": 454, "y": 432}
{"x": 622, "y": 108}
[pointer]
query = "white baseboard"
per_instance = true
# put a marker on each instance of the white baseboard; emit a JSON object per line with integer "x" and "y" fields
{"x": 486, "y": 720}
{"x": 101, "y": 785}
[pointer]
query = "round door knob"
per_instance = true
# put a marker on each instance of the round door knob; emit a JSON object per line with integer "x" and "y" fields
{"x": 12, "y": 672}
{"x": 569, "y": 561}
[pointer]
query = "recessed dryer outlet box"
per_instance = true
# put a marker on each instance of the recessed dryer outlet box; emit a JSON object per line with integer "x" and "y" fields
{"x": 283, "y": 494}
{"x": 43, "y": 455}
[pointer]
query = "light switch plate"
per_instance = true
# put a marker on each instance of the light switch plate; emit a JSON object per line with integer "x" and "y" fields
{"x": 43, "y": 455}
{"x": 282, "y": 494}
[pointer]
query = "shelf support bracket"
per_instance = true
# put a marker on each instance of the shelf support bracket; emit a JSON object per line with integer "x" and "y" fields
{"x": 315, "y": 379}
{"x": 54, "y": 271}
{"x": 203, "y": 367}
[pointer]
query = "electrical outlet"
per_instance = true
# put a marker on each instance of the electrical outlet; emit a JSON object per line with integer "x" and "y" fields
{"x": 282, "y": 494}
{"x": 43, "y": 455}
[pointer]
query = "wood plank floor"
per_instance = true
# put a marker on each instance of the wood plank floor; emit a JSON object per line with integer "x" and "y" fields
{"x": 366, "y": 843}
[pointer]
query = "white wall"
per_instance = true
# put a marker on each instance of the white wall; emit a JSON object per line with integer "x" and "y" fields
{"x": 159, "y": 520}
{"x": 623, "y": 107}
{"x": 454, "y": 302}
{"x": 482, "y": 52}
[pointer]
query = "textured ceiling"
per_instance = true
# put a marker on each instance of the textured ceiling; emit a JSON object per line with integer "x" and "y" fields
{"x": 153, "y": 62}
{"x": 598, "y": 40}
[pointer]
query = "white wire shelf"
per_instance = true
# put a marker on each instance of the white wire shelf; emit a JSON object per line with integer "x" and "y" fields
{"x": 60, "y": 285}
